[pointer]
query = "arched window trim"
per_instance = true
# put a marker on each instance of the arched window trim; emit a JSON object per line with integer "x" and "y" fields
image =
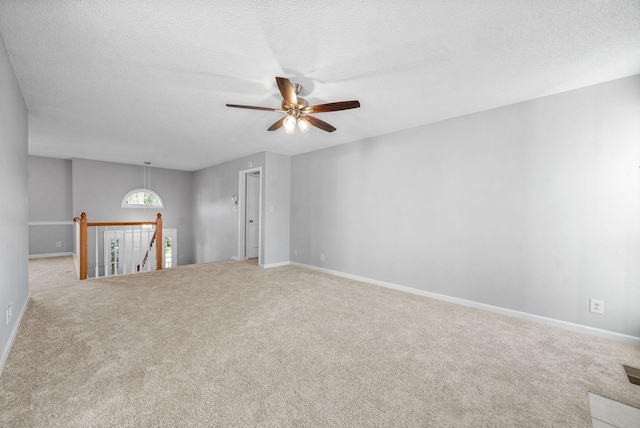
{"x": 124, "y": 203}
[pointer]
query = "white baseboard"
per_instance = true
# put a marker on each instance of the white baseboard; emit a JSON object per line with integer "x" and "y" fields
{"x": 579, "y": 328}
{"x": 236, "y": 258}
{"x": 272, "y": 265}
{"x": 14, "y": 333}
{"x": 40, "y": 256}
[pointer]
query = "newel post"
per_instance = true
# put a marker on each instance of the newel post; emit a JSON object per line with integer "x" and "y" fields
{"x": 159, "y": 243}
{"x": 83, "y": 246}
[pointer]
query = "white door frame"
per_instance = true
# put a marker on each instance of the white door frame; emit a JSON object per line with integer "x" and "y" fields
{"x": 242, "y": 212}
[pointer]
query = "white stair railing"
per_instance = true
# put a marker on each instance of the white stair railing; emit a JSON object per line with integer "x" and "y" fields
{"x": 123, "y": 247}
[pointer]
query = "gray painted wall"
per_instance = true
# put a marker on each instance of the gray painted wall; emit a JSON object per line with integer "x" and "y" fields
{"x": 215, "y": 222}
{"x": 50, "y": 200}
{"x": 14, "y": 271}
{"x": 49, "y": 184}
{"x": 277, "y": 194}
{"x": 50, "y": 239}
{"x": 532, "y": 207}
{"x": 98, "y": 189}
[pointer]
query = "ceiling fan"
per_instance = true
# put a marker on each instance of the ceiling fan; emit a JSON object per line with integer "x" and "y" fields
{"x": 298, "y": 110}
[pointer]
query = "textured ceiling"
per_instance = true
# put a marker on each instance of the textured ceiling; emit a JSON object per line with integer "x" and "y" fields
{"x": 134, "y": 81}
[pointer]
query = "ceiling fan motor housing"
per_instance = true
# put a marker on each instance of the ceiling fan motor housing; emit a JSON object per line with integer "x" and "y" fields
{"x": 302, "y": 105}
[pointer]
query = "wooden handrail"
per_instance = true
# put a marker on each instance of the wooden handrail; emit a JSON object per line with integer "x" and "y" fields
{"x": 122, "y": 223}
{"x": 83, "y": 238}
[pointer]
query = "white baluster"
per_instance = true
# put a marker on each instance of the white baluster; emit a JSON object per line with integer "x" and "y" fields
{"x": 140, "y": 250}
{"x": 97, "y": 243}
{"x": 106, "y": 244}
{"x": 124, "y": 252}
{"x": 131, "y": 257}
{"x": 116, "y": 249}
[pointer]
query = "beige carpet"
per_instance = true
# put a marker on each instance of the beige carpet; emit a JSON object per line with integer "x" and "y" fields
{"x": 230, "y": 345}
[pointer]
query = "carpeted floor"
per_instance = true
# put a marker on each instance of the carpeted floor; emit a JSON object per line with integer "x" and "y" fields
{"x": 231, "y": 345}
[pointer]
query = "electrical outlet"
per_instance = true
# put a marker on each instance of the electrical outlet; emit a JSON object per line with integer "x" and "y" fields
{"x": 295, "y": 253}
{"x": 321, "y": 257}
{"x": 596, "y": 306}
{"x": 58, "y": 244}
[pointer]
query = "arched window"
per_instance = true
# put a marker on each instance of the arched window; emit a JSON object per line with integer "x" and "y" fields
{"x": 142, "y": 198}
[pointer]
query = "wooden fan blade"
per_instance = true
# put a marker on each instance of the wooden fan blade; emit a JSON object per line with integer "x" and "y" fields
{"x": 320, "y": 124}
{"x": 340, "y": 105}
{"x": 255, "y": 108}
{"x": 287, "y": 91}
{"x": 277, "y": 125}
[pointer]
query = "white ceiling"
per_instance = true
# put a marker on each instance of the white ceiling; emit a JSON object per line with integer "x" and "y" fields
{"x": 134, "y": 81}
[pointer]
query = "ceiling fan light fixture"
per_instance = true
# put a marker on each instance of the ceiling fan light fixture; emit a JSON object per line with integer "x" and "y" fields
{"x": 297, "y": 109}
{"x": 290, "y": 124}
{"x": 303, "y": 124}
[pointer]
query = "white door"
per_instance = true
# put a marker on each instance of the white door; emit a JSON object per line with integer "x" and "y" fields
{"x": 114, "y": 249}
{"x": 252, "y": 225}
{"x": 170, "y": 237}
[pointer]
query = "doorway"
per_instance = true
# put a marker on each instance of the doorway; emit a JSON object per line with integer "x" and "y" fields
{"x": 250, "y": 210}
{"x": 170, "y": 253}
{"x": 252, "y": 217}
